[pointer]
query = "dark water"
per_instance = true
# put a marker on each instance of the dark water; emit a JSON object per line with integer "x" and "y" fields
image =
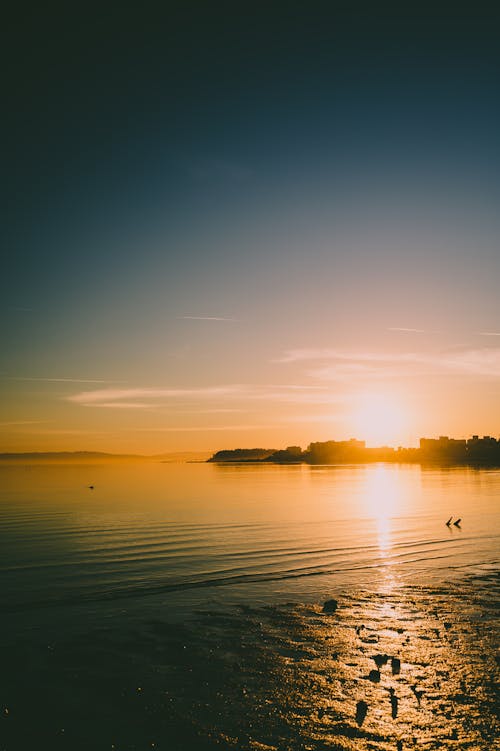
{"x": 179, "y": 607}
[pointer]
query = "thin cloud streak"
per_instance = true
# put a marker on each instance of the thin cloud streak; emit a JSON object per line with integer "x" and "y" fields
{"x": 289, "y": 393}
{"x": 205, "y": 318}
{"x": 125, "y": 405}
{"x": 342, "y": 365}
{"x": 63, "y": 431}
{"x": 204, "y": 428}
{"x": 23, "y": 422}
{"x": 101, "y": 396}
{"x": 215, "y": 411}
{"x": 406, "y": 330}
{"x": 307, "y": 354}
{"x": 60, "y": 380}
{"x": 489, "y": 333}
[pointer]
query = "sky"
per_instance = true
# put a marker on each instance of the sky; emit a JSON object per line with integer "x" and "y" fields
{"x": 241, "y": 224}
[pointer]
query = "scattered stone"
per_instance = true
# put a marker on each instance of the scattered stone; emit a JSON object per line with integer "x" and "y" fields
{"x": 394, "y": 703}
{"x": 380, "y": 660}
{"x": 395, "y": 665}
{"x": 330, "y": 606}
{"x": 361, "y": 710}
{"x": 418, "y": 693}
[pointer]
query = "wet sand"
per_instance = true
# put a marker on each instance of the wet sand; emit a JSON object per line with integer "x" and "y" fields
{"x": 402, "y": 668}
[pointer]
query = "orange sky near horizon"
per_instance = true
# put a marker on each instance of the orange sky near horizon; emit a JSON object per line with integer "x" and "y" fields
{"x": 315, "y": 395}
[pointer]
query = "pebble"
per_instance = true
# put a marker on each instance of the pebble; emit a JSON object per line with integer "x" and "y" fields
{"x": 361, "y": 710}
{"x": 395, "y": 665}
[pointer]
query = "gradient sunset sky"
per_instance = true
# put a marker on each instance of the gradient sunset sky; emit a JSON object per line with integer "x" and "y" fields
{"x": 249, "y": 224}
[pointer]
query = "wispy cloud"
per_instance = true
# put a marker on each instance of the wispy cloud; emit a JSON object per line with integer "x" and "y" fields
{"x": 198, "y": 411}
{"x": 210, "y": 428}
{"x": 13, "y": 423}
{"x": 217, "y": 396}
{"x": 63, "y": 431}
{"x": 125, "y": 405}
{"x": 350, "y": 365}
{"x": 482, "y": 362}
{"x": 205, "y": 318}
{"x": 308, "y": 355}
{"x": 102, "y": 396}
{"x": 406, "y": 330}
{"x": 59, "y": 380}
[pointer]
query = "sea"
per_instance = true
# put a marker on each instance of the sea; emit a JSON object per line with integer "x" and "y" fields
{"x": 181, "y": 606}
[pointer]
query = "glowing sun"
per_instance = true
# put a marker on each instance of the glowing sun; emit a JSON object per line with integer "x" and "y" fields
{"x": 379, "y": 419}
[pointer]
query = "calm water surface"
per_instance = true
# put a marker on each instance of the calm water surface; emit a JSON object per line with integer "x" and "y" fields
{"x": 248, "y": 530}
{"x": 99, "y": 586}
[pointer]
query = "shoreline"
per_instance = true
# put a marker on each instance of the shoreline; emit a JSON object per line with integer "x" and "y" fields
{"x": 412, "y": 667}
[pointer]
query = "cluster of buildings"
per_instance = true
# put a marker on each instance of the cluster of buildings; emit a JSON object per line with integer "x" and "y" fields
{"x": 473, "y": 449}
{"x": 442, "y": 450}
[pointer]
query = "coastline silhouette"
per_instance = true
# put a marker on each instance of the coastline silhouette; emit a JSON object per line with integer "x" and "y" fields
{"x": 443, "y": 451}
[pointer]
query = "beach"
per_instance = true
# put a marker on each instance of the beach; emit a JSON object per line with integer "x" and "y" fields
{"x": 415, "y": 666}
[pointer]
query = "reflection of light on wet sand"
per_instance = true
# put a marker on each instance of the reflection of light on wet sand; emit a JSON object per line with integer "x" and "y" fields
{"x": 385, "y": 671}
{"x": 389, "y": 581}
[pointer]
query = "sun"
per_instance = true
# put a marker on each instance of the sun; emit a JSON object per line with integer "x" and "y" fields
{"x": 379, "y": 418}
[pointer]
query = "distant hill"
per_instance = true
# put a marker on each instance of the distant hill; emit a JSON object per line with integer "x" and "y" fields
{"x": 73, "y": 457}
{"x": 242, "y": 455}
{"x": 97, "y": 457}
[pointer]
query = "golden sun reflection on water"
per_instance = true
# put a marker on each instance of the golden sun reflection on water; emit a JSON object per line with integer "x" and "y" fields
{"x": 384, "y": 498}
{"x": 381, "y": 499}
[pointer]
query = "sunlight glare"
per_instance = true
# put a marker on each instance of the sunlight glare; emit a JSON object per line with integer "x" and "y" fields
{"x": 379, "y": 419}
{"x": 381, "y": 498}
